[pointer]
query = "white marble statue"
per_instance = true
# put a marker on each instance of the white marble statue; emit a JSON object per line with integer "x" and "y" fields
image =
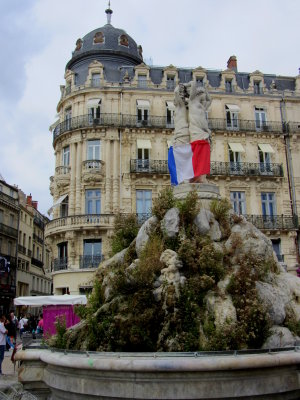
{"x": 191, "y": 103}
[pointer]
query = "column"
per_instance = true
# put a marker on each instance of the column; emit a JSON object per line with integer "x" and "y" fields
{"x": 78, "y": 199}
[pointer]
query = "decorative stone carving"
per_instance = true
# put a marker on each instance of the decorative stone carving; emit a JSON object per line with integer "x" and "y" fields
{"x": 78, "y": 44}
{"x": 170, "y": 223}
{"x": 143, "y": 234}
{"x": 99, "y": 37}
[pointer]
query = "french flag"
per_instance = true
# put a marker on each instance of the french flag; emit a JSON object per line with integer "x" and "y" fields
{"x": 188, "y": 161}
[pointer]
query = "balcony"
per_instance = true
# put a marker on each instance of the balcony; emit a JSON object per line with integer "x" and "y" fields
{"x": 39, "y": 222}
{"x": 37, "y": 238}
{"x": 36, "y": 262}
{"x": 8, "y": 230}
{"x": 127, "y": 120}
{"x": 93, "y": 170}
{"x": 90, "y": 261}
{"x": 246, "y": 169}
{"x": 220, "y": 124}
{"x": 80, "y": 222}
{"x": 60, "y": 264}
{"x": 8, "y": 199}
{"x": 29, "y": 253}
{"x": 273, "y": 222}
{"x": 149, "y": 166}
{"x": 22, "y": 249}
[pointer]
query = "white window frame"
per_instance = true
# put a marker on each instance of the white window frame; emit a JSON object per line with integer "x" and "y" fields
{"x": 96, "y": 79}
{"x": 93, "y": 149}
{"x": 143, "y": 203}
{"x": 142, "y": 81}
{"x": 260, "y": 116}
{"x": 238, "y": 202}
{"x": 232, "y": 119}
{"x": 93, "y": 201}
{"x": 66, "y": 156}
{"x": 68, "y": 118}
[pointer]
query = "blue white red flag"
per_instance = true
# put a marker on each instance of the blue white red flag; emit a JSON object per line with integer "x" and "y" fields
{"x": 188, "y": 161}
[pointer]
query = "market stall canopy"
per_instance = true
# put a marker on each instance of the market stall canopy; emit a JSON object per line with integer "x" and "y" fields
{"x": 38, "y": 301}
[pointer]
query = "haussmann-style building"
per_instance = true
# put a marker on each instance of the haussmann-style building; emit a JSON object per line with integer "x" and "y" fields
{"x": 111, "y": 147}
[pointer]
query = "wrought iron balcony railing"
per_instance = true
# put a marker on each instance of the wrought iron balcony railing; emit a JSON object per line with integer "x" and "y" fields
{"x": 87, "y": 261}
{"x": 37, "y": 238}
{"x": 22, "y": 249}
{"x": 217, "y": 168}
{"x": 273, "y": 222}
{"x": 36, "y": 262}
{"x": 60, "y": 264}
{"x": 38, "y": 222}
{"x": 246, "y": 169}
{"x": 5, "y": 197}
{"x": 126, "y": 120}
{"x": 149, "y": 166}
{"x": 8, "y": 230}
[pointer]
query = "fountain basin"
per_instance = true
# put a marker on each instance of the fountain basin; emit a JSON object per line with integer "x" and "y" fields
{"x": 77, "y": 375}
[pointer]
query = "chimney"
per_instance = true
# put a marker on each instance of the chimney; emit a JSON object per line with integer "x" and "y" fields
{"x": 29, "y": 200}
{"x": 35, "y": 204}
{"x": 232, "y": 63}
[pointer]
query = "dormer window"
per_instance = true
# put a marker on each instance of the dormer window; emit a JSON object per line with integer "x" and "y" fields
{"x": 123, "y": 40}
{"x": 95, "y": 82}
{"x": 142, "y": 81}
{"x": 98, "y": 38}
{"x": 170, "y": 82}
{"x": 68, "y": 88}
{"x": 257, "y": 87}
{"x": 228, "y": 85}
{"x": 199, "y": 82}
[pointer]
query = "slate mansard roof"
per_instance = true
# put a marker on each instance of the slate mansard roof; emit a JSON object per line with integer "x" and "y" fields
{"x": 118, "y": 58}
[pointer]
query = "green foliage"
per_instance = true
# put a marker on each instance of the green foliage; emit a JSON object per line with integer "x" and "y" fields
{"x": 291, "y": 321}
{"x": 199, "y": 256}
{"x": 252, "y": 318}
{"x": 188, "y": 208}
{"x": 220, "y": 209}
{"x": 125, "y": 230}
{"x": 61, "y": 328}
{"x": 163, "y": 203}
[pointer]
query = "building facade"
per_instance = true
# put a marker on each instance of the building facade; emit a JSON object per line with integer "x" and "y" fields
{"x": 9, "y": 221}
{"x": 111, "y": 147}
{"x": 34, "y": 260}
{"x": 25, "y": 261}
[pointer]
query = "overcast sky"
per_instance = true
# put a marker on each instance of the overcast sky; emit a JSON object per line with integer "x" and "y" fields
{"x": 38, "y": 36}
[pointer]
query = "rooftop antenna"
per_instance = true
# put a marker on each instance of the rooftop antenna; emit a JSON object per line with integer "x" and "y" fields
{"x": 108, "y": 11}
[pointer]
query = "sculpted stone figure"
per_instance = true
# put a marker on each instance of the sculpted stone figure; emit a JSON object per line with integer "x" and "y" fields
{"x": 191, "y": 126}
{"x": 191, "y": 103}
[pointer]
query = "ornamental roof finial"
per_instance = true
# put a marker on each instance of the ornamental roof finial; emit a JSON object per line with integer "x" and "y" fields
{"x": 108, "y": 11}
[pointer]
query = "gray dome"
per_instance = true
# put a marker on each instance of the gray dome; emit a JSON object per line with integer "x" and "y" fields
{"x": 107, "y": 40}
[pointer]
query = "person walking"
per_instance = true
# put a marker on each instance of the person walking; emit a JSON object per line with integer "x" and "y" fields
{"x": 3, "y": 333}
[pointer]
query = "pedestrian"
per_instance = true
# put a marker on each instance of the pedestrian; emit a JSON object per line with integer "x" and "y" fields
{"x": 23, "y": 325}
{"x": 10, "y": 333}
{"x": 40, "y": 327}
{"x": 3, "y": 333}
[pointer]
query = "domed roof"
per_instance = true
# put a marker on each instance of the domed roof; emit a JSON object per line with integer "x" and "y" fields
{"x": 107, "y": 39}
